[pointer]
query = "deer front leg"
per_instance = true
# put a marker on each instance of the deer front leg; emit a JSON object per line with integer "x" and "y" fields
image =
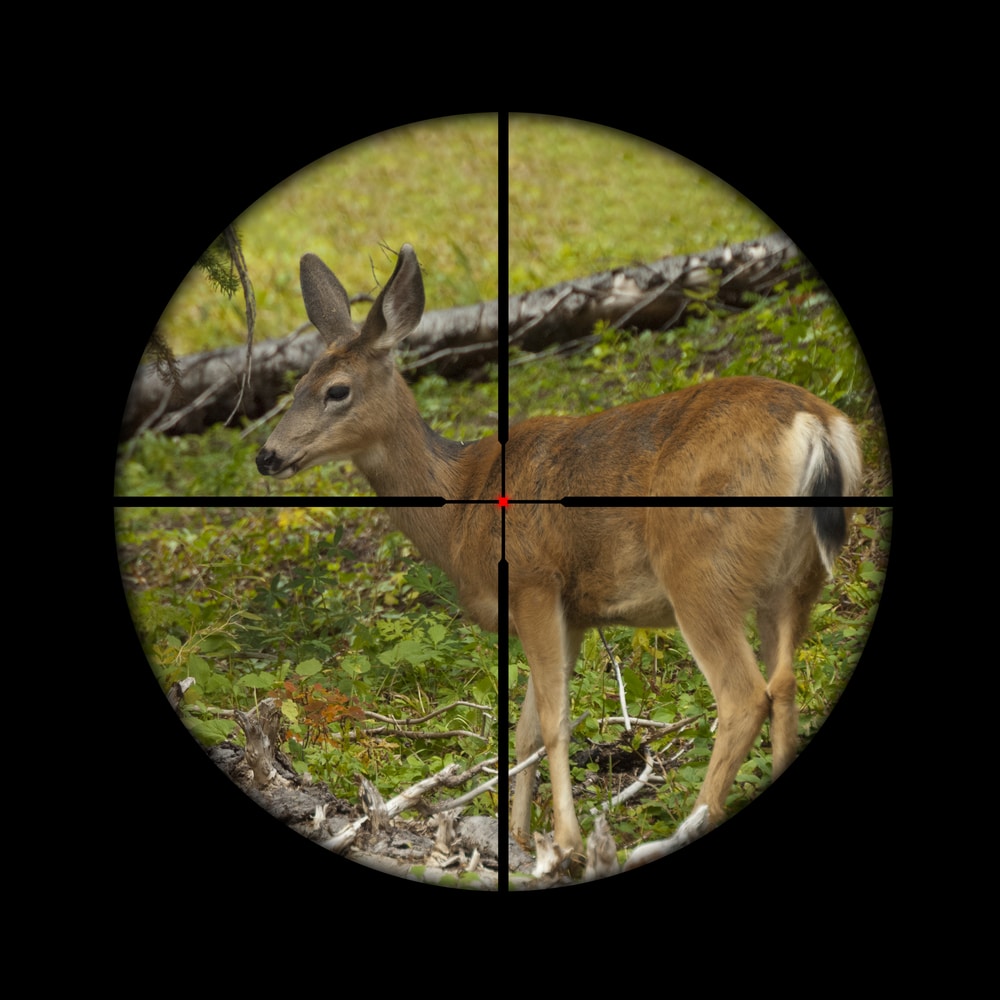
{"x": 551, "y": 649}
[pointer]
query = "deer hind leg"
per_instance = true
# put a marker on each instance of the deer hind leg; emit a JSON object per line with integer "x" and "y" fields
{"x": 727, "y": 661}
{"x": 551, "y": 649}
{"x": 782, "y": 621}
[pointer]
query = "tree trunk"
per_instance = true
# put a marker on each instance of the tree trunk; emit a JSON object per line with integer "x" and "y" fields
{"x": 459, "y": 342}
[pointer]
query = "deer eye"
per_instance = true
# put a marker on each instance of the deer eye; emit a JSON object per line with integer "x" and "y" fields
{"x": 338, "y": 392}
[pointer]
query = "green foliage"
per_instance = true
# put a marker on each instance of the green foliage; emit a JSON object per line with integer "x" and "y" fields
{"x": 217, "y": 264}
{"x": 313, "y": 606}
{"x": 219, "y": 462}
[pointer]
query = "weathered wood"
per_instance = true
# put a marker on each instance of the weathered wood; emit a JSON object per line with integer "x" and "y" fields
{"x": 261, "y": 729}
{"x": 650, "y": 296}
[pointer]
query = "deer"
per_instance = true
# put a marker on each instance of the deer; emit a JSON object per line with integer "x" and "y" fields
{"x": 728, "y": 479}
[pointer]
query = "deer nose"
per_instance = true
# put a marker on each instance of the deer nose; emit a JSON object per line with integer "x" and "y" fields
{"x": 268, "y": 462}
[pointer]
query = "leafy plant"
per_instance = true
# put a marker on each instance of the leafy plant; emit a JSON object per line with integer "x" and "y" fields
{"x": 304, "y": 604}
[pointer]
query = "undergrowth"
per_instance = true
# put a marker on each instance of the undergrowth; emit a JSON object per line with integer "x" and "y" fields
{"x": 319, "y": 608}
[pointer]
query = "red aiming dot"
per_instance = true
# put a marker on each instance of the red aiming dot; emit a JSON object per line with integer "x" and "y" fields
{"x": 502, "y": 501}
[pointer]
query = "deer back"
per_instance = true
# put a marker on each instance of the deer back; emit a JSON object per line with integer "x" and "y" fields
{"x": 732, "y": 439}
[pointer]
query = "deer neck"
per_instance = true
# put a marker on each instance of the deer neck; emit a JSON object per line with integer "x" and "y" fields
{"x": 407, "y": 458}
{"x": 410, "y": 459}
{"x": 418, "y": 462}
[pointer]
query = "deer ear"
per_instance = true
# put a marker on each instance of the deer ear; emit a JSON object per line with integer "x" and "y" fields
{"x": 400, "y": 304}
{"x": 327, "y": 304}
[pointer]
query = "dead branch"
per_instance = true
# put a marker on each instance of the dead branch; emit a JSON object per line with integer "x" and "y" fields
{"x": 395, "y": 726}
{"x": 691, "y": 829}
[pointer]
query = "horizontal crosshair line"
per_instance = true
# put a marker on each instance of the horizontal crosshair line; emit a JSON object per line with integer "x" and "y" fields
{"x": 713, "y": 501}
{"x": 612, "y": 501}
{"x": 306, "y": 501}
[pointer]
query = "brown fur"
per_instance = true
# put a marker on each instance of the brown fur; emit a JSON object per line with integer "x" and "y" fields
{"x": 699, "y": 568}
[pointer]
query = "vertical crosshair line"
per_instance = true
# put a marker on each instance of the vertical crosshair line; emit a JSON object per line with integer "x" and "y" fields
{"x": 503, "y": 419}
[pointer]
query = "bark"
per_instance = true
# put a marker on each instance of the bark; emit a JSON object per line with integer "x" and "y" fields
{"x": 460, "y": 342}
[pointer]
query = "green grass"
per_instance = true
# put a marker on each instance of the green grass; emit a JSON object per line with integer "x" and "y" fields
{"x": 433, "y": 185}
{"x": 584, "y": 198}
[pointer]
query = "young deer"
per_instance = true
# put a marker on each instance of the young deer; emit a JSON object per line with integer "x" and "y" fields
{"x": 699, "y": 568}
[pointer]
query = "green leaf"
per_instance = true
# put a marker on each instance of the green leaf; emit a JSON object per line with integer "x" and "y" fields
{"x": 406, "y": 650}
{"x": 256, "y": 681}
{"x": 218, "y": 645}
{"x": 309, "y": 668}
{"x": 210, "y": 732}
{"x": 199, "y": 668}
{"x": 354, "y": 665}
